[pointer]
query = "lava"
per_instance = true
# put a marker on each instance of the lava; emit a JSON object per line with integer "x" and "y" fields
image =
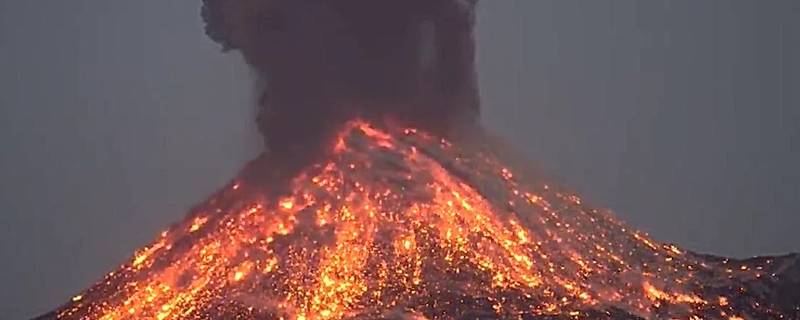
{"x": 398, "y": 223}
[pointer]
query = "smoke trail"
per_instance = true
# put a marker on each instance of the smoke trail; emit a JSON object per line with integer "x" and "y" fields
{"x": 327, "y": 61}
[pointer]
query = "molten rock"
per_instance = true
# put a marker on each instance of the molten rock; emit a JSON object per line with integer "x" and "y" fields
{"x": 400, "y": 224}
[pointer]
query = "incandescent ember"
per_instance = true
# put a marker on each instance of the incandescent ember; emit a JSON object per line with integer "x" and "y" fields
{"x": 397, "y": 223}
{"x": 371, "y": 219}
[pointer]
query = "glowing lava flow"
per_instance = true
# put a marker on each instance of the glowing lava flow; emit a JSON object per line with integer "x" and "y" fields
{"x": 400, "y": 224}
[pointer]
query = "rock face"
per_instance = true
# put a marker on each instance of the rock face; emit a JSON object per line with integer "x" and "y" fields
{"x": 778, "y": 280}
{"x": 397, "y": 223}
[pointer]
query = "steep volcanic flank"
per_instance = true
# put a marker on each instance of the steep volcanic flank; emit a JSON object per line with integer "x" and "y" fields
{"x": 400, "y": 224}
{"x": 375, "y": 220}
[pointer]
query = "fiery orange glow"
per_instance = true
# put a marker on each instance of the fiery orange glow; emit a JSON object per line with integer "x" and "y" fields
{"x": 402, "y": 221}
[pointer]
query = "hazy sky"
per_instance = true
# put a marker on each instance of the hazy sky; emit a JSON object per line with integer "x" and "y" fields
{"x": 116, "y": 116}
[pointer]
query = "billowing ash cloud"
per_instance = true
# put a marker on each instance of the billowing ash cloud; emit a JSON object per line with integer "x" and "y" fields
{"x": 324, "y": 62}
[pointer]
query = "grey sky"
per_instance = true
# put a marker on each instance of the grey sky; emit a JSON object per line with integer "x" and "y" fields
{"x": 116, "y": 116}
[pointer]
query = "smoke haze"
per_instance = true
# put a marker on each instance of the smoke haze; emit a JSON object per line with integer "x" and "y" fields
{"x": 679, "y": 115}
{"x": 325, "y": 62}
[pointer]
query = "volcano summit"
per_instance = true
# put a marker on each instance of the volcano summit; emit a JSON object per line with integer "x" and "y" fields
{"x": 395, "y": 204}
{"x": 401, "y": 224}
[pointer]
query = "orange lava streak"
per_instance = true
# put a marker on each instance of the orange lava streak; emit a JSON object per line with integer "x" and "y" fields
{"x": 396, "y": 220}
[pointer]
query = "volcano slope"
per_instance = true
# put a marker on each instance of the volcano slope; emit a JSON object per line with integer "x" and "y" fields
{"x": 395, "y": 223}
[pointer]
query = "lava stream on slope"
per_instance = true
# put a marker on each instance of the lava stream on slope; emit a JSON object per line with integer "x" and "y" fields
{"x": 397, "y": 223}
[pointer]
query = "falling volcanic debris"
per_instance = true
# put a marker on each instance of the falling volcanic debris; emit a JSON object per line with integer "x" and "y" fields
{"x": 395, "y": 205}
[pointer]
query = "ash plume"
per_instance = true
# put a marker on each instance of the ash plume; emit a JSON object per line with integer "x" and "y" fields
{"x": 403, "y": 222}
{"x": 325, "y": 62}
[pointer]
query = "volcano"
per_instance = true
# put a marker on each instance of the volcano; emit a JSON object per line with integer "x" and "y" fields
{"x": 379, "y": 197}
{"x": 400, "y": 224}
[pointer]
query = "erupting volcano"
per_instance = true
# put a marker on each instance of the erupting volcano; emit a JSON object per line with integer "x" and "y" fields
{"x": 408, "y": 210}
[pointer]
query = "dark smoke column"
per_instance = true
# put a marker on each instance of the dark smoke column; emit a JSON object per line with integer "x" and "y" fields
{"x": 324, "y": 62}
